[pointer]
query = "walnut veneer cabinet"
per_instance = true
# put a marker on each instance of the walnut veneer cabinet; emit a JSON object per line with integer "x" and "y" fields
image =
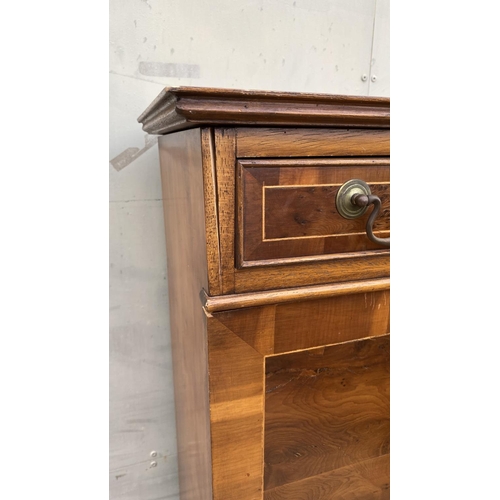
{"x": 279, "y": 305}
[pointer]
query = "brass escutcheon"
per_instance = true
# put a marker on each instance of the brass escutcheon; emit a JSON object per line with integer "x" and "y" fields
{"x": 345, "y": 207}
{"x": 352, "y": 200}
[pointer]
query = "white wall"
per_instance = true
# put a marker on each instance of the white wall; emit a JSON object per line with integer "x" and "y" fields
{"x": 297, "y": 45}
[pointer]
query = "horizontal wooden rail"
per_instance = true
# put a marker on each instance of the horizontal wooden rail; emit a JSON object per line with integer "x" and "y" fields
{"x": 254, "y": 299}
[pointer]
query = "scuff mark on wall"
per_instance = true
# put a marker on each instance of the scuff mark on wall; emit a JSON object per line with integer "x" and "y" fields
{"x": 131, "y": 154}
{"x": 169, "y": 69}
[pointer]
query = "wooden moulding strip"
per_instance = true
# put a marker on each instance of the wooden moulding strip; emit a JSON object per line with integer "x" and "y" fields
{"x": 254, "y": 299}
{"x": 186, "y": 107}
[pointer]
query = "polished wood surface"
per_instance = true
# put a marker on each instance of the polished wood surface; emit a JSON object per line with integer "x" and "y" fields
{"x": 325, "y": 409}
{"x": 368, "y": 480}
{"x": 182, "y": 186}
{"x": 342, "y": 318}
{"x": 276, "y": 271}
{"x": 279, "y": 328}
{"x": 254, "y": 325}
{"x": 302, "y": 413}
{"x": 279, "y": 308}
{"x": 211, "y": 216}
{"x": 236, "y": 415}
{"x": 303, "y": 142}
{"x": 289, "y": 210}
{"x": 224, "y": 164}
{"x": 177, "y": 108}
{"x": 296, "y": 212}
{"x": 287, "y": 295}
{"x": 281, "y": 274}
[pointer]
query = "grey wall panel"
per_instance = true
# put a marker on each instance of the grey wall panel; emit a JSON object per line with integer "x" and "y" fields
{"x": 142, "y": 418}
{"x": 300, "y": 45}
{"x": 380, "y": 63}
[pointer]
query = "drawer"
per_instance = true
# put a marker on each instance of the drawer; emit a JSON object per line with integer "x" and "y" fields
{"x": 287, "y": 210}
{"x": 271, "y": 217}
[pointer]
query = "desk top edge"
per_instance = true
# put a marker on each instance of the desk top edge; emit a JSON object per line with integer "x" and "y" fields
{"x": 178, "y": 108}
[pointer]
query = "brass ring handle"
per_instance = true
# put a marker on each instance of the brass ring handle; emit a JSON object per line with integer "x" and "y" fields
{"x": 353, "y": 199}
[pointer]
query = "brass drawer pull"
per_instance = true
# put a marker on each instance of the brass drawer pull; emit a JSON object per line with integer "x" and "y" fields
{"x": 352, "y": 201}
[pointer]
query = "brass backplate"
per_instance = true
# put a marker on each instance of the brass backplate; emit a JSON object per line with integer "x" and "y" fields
{"x": 344, "y": 196}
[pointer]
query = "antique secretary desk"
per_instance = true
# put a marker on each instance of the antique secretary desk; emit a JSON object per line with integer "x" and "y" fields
{"x": 277, "y": 227}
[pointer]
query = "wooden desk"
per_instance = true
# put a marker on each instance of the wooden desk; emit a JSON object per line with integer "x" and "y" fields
{"x": 279, "y": 306}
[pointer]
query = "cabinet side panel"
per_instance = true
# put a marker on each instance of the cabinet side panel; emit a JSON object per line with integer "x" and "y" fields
{"x": 182, "y": 186}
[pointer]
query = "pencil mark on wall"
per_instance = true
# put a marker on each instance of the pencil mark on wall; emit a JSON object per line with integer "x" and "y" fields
{"x": 131, "y": 154}
{"x": 169, "y": 69}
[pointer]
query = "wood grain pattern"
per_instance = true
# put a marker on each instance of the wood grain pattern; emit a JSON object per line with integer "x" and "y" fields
{"x": 225, "y": 171}
{"x": 303, "y": 142}
{"x": 177, "y": 108}
{"x": 302, "y": 212}
{"x": 287, "y": 295}
{"x": 309, "y": 268}
{"x": 335, "y": 319}
{"x": 182, "y": 187}
{"x": 282, "y": 373}
{"x": 289, "y": 211}
{"x": 325, "y": 409}
{"x": 253, "y": 325}
{"x": 238, "y": 344}
{"x": 284, "y": 327}
{"x": 236, "y": 415}
{"x": 281, "y": 274}
{"x": 368, "y": 480}
{"x": 211, "y": 215}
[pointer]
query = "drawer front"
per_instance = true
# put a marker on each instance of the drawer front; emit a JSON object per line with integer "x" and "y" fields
{"x": 288, "y": 210}
{"x": 271, "y": 217}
